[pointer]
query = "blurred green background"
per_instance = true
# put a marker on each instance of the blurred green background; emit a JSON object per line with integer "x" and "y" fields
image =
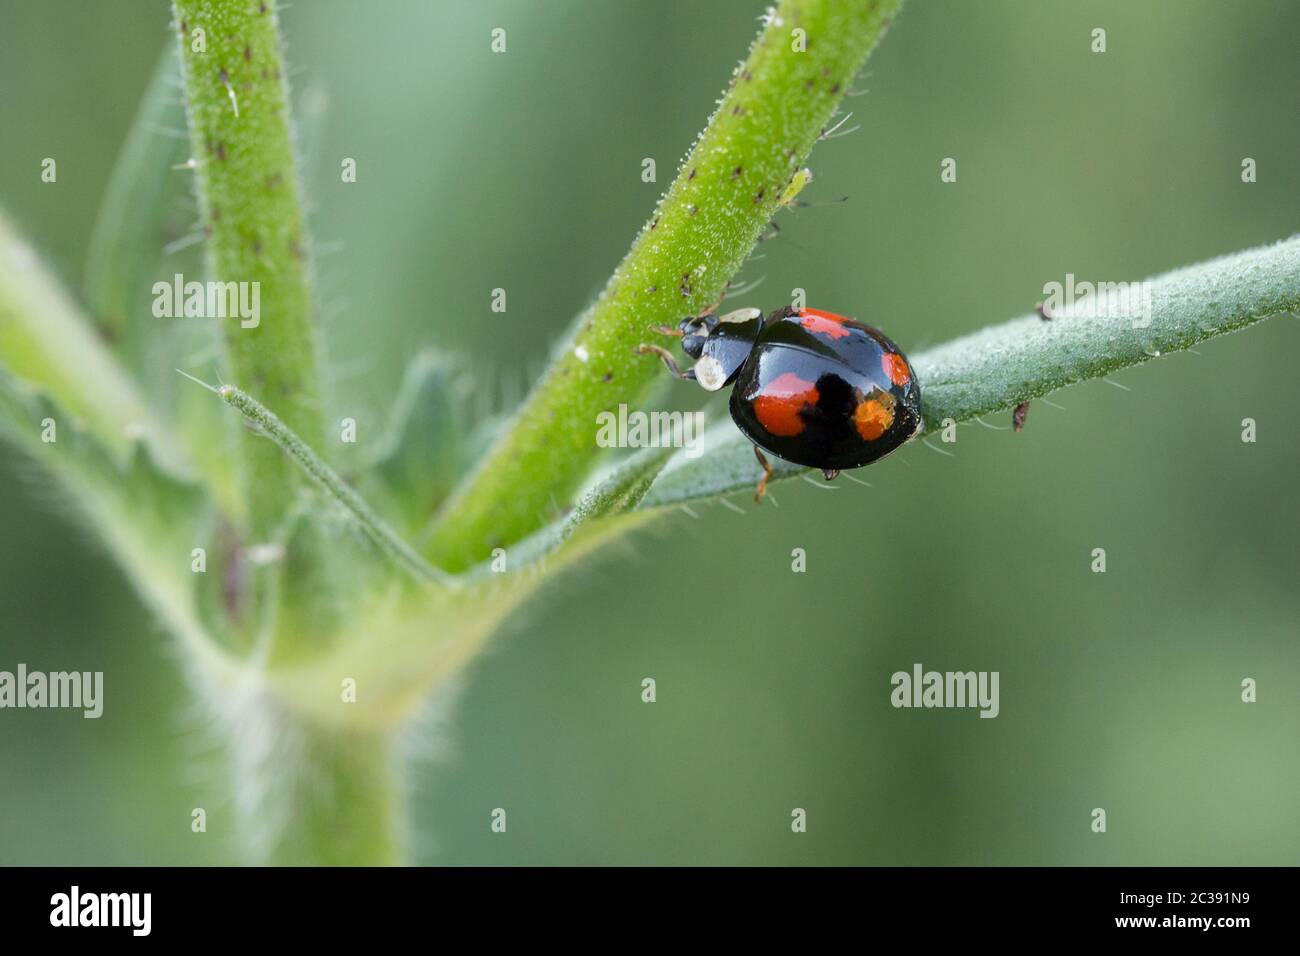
{"x": 1118, "y": 690}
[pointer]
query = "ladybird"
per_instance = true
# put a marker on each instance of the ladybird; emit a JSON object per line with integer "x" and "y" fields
{"x": 811, "y": 387}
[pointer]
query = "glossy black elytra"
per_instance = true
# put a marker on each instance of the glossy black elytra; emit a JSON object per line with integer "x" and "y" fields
{"x": 812, "y": 387}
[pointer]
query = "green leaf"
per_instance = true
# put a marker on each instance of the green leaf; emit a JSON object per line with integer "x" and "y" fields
{"x": 418, "y": 457}
{"x": 147, "y": 232}
{"x": 149, "y": 519}
{"x": 146, "y": 206}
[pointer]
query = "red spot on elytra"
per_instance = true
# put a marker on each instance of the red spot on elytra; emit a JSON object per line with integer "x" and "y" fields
{"x": 895, "y": 367}
{"x": 777, "y": 408}
{"x": 823, "y": 323}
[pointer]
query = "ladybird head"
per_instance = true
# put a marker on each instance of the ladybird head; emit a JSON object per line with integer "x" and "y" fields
{"x": 695, "y": 332}
{"x": 719, "y": 344}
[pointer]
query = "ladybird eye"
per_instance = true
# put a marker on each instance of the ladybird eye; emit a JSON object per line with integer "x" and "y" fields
{"x": 693, "y": 345}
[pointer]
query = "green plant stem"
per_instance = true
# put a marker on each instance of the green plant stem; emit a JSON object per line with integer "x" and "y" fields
{"x": 236, "y": 98}
{"x": 354, "y": 812}
{"x": 309, "y": 793}
{"x": 375, "y": 528}
{"x": 779, "y": 102}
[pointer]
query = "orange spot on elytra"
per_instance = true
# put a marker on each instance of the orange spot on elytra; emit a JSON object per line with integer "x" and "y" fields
{"x": 895, "y": 367}
{"x": 823, "y": 323}
{"x": 872, "y": 418}
{"x": 777, "y": 408}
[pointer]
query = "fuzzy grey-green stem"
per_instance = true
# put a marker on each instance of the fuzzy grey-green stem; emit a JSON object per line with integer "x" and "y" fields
{"x": 375, "y": 528}
{"x": 781, "y": 99}
{"x": 240, "y": 137}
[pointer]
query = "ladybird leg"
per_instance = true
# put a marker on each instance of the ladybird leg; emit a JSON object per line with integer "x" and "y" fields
{"x": 767, "y": 473}
{"x": 666, "y": 330}
{"x": 668, "y": 360}
{"x": 830, "y": 474}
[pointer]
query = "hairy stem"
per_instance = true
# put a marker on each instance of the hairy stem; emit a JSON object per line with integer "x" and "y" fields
{"x": 781, "y": 99}
{"x": 354, "y": 816}
{"x": 309, "y": 793}
{"x": 237, "y": 102}
{"x": 375, "y": 528}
